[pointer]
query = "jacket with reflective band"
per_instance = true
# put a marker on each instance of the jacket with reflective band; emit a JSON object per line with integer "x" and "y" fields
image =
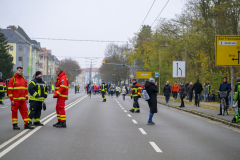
{"x": 2, "y": 87}
{"x": 37, "y": 89}
{"x": 103, "y": 87}
{"x": 61, "y": 87}
{"x": 136, "y": 90}
{"x": 17, "y": 88}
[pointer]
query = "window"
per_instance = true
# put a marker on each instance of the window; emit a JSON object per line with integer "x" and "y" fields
{"x": 19, "y": 58}
{"x": 20, "y": 48}
{"x": 11, "y": 48}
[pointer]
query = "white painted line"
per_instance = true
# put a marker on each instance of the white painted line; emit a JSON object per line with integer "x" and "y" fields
{"x": 125, "y": 111}
{"x": 157, "y": 149}
{"x": 32, "y": 131}
{"x": 122, "y": 108}
{"x": 141, "y": 130}
{"x": 129, "y": 115}
{"x": 4, "y": 107}
{"x": 134, "y": 121}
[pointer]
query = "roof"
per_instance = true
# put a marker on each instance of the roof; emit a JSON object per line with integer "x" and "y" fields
{"x": 23, "y": 33}
{"x": 13, "y": 37}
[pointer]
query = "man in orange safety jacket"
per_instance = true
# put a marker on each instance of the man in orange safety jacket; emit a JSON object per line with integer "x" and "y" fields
{"x": 61, "y": 93}
{"x": 18, "y": 94}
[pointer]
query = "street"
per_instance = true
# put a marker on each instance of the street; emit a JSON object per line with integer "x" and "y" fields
{"x": 108, "y": 131}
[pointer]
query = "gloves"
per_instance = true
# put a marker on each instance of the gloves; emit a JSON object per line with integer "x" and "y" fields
{"x": 54, "y": 96}
{"x": 44, "y": 106}
{"x": 139, "y": 96}
{"x": 45, "y": 96}
{"x": 131, "y": 97}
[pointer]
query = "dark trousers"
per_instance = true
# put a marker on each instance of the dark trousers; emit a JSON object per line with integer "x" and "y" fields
{"x": 111, "y": 93}
{"x": 117, "y": 93}
{"x": 103, "y": 96}
{"x": 190, "y": 97}
{"x": 182, "y": 102}
{"x": 34, "y": 113}
{"x": 167, "y": 98}
{"x": 226, "y": 99}
{"x": 175, "y": 95}
{"x": 196, "y": 99}
{"x": 135, "y": 103}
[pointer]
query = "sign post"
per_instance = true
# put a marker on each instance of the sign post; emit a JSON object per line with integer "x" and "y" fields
{"x": 228, "y": 54}
{"x": 179, "y": 69}
{"x": 156, "y": 74}
{"x": 143, "y": 75}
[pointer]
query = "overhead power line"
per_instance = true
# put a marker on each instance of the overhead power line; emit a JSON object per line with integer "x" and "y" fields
{"x": 55, "y": 39}
{"x": 147, "y": 15}
{"x": 160, "y": 13}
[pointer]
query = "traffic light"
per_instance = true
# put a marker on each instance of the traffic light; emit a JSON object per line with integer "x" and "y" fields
{"x": 103, "y": 62}
{"x": 131, "y": 80}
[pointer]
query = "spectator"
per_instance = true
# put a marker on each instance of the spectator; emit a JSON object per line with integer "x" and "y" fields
{"x": 190, "y": 91}
{"x": 209, "y": 91}
{"x": 224, "y": 86}
{"x": 186, "y": 85}
{"x": 175, "y": 90}
{"x": 182, "y": 92}
{"x": 197, "y": 87}
{"x": 205, "y": 92}
{"x": 167, "y": 92}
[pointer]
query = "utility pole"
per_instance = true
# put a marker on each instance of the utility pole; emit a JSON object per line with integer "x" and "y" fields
{"x": 185, "y": 63}
{"x": 159, "y": 89}
{"x": 47, "y": 69}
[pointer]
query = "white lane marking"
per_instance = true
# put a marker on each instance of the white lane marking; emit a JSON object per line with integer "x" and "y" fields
{"x": 4, "y": 107}
{"x": 157, "y": 149}
{"x": 134, "y": 121}
{"x": 32, "y": 131}
{"x": 141, "y": 130}
{"x": 129, "y": 115}
{"x": 122, "y": 108}
{"x": 125, "y": 111}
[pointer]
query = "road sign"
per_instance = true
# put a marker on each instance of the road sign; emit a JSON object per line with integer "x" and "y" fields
{"x": 131, "y": 76}
{"x": 227, "y": 51}
{"x": 156, "y": 74}
{"x": 143, "y": 75}
{"x": 178, "y": 68}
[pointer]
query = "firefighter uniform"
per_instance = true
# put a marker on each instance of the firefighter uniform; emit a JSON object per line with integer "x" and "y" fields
{"x": 135, "y": 94}
{"x": 61, "y": 93}
{"x": 2, "y": 91}
{"x": 38, "y": 92}
{"x": 18, "y": 92}
{"x": 103, "y": 90}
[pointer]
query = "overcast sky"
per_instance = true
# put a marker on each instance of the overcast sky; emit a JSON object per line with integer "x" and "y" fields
{"x": 110, "y": 20}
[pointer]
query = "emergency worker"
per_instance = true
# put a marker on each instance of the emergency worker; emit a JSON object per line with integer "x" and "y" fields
{"x": 38, "y": 92}
{"x": 78, "y": 87}
{"x": 61, "y": 93}
{"x": 103, "y": 90}
{"x": 2, "y": 91}
{"x": 18, "y": 94}
{"x": 135, "y": 94}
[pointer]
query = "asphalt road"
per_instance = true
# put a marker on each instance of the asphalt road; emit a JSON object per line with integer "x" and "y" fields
{"x": 108, "y": 131}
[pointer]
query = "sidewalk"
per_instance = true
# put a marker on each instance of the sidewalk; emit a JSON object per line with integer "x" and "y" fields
{"x": 200, "y": 109}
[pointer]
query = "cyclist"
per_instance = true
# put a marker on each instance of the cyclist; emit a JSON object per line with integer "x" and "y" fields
{"x": 224, "y": 86}
{"x": 198, "y": 89}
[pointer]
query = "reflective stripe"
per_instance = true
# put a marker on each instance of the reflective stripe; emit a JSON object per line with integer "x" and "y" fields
{"x": 20, "y": 98}
{"x": 33, "y": 83}
{"x": 10, "y": 88}
{"x": 61, "y": 95}
{"x": 40, "y": 99}
{"x": 26, "y": 120}
{"x": 36, "y": 120}
{"x": 34, "y": 95}
{"x": 26, "y": 95}
{"x": 19, "y": 88}
{"x": 64, "y": 86}
{"x": 10, "y": 95}
{"x": 57, "y": 88}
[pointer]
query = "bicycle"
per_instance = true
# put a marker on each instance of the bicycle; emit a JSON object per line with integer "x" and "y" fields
{"x": 223, "y": 95}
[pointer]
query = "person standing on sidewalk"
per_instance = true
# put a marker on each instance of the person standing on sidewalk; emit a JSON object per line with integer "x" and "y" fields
{"x": 197, "y": 87}
{"x": 18, "y": 94}
{"x": 135, "y": 94}
{"x": 152, "y": 90}
{"x": 186, "y": 85}
{"x": 61, "y": 93}
{"x": 167, "y": 92}
{"x": 2, "y": 91}
{"x": 190, "y": 91}
{"x": 182, "y": 92}
{"x": 205, "y": 92}
{"x": 209, "y": 91}
{"x": 38, "y": 92}
{"x": 224, "y": 86}
{"x": 175, "y": 90}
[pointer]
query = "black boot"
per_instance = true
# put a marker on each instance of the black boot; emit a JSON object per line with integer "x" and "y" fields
{"x": 56, "y": 124}
{"x": 28, "y": 126}
{"x": 137, "y": 111}
{"x": 15, "y": 127}
{"x": 38, "y": 124}
{"x": 62, "y": 125}
{"x": 132, "y": 110}
{"x": 104, "y": 100}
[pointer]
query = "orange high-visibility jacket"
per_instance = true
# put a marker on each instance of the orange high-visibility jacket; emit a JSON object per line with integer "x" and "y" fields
{"x": 175, "y": 88}
{"x": 61, "y": 87}
{"x": 17, "y": 88}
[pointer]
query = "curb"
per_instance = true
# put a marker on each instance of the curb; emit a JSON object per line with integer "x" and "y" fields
{"x": 235, "y": 125}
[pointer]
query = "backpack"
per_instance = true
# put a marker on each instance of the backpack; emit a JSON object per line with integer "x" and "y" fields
{"x": 145, "y": 95}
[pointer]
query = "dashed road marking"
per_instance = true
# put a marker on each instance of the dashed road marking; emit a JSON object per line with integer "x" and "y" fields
{"x": 157, "y": 149}
{"x": 4, "y": 107}
{"x": 129, "y": 115}
{"x": 142, "y": 131}
{"x": 134, "y": 121}
{"x": 125, "y": 111}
